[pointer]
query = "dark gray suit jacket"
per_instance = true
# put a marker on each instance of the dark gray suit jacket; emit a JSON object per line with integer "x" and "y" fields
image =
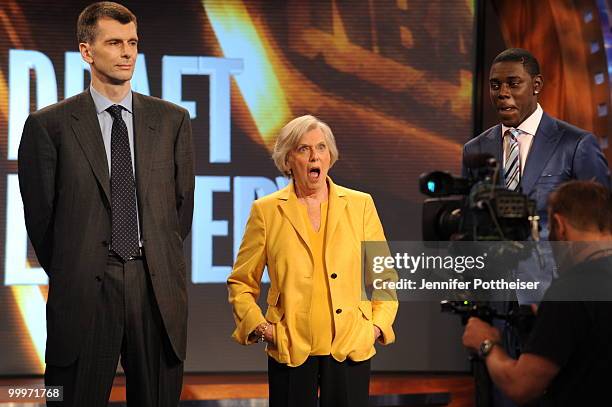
{"x": 65, "y": 187}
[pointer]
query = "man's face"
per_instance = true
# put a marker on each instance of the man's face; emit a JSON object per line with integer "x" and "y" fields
{"x": 513, "y": 92}
{"x": 112, "y": 54}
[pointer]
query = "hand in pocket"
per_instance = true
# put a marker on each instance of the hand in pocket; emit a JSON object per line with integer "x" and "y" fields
{"x": 270, "y": 334}
{"x": 377, "y": 333}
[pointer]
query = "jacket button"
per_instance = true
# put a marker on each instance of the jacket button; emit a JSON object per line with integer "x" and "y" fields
{"x": 338, "y": 311}
{"x": 334, "y": 275}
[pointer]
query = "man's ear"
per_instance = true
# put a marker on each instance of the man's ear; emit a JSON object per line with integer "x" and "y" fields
{"x": 85, "y": 51}
{"x": 560, "y": 226}
{"x": 538, "y": 84}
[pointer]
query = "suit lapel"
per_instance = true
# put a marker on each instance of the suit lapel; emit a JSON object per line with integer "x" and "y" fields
{"x": 492, "y": 144}
{"x": 289, "y": 205}
{"x": 145, "y": 140}
{"x": 544, "y": 144}
{"x": 86, "y": 127}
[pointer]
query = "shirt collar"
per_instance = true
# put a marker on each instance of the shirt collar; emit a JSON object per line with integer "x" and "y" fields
{"x": 102, "y": 102}
{"x": 530, "y": 124}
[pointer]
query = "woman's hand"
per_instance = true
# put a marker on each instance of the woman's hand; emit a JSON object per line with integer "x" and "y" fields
{"x": 265, "y": 330}
{"x": 377, "y": 333}
{"x": 269, "y": 334}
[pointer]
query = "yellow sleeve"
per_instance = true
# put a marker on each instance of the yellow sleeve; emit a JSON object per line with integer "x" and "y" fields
{"x": 384, "y": 302}
{"x": 244, "y": 283}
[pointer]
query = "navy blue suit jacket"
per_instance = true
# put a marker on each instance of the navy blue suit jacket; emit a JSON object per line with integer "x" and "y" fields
{"x": 559, "y": 152}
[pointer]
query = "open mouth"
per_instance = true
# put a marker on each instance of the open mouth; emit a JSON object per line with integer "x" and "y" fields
{"x": 506, "y": 108}
{"x": 314, "y": 173}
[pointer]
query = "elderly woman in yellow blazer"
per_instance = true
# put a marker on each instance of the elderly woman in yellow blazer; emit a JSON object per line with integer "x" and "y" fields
{"x": 319, "y": 327}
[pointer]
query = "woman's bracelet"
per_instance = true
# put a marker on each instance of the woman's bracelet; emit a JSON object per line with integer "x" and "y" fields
{"x": 260, "y": 331}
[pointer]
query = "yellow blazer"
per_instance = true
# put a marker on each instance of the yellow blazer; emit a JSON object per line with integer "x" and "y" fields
{"x": 276, "y": 237}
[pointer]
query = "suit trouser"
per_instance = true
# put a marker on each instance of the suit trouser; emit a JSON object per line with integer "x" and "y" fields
{"x": 127, "y": 322}
{"x": 341, "y": 384}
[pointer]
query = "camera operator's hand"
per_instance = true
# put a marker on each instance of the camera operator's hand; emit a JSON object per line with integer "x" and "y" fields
{"x": 476, "y": 331}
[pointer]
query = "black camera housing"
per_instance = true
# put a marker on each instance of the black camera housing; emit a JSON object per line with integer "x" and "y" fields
{"x": 475, "y": 209}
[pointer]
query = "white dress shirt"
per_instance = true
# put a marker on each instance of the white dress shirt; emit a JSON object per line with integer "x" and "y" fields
{"x": 528, "y": 129}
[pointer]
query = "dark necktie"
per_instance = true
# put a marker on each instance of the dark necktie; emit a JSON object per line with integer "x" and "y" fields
{"x": 124, "y": 235}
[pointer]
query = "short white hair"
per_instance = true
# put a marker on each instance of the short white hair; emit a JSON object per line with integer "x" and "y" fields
{"x": 290, "y": 136}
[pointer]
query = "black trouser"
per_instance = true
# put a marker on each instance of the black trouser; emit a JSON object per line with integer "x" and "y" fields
{"x": 342, "y": 384}
{"x": 127, "y": 322}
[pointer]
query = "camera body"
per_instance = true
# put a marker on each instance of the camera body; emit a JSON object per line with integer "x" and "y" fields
{"x": 479, "y": 209}
{"x": 475, "y": 209}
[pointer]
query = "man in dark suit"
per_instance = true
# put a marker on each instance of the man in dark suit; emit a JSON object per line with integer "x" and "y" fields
{"x": 536, "y": 152}
{"x": 550, "y": 150}
{"x": 107, "y": 180}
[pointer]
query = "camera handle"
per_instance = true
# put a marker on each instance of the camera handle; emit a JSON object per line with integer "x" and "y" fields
{"x": 483, "y": 386}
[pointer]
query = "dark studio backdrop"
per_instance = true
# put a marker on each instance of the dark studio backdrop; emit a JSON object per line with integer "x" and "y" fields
{"x": 400, "y": 83}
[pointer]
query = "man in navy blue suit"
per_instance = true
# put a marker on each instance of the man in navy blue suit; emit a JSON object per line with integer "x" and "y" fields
{"x": 545, "y": 151}
{"x": 536, "y": 153}
{"x": 551, "y": 151}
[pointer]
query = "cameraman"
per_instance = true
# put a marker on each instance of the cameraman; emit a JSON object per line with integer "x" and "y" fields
{"x": 568, "y": 357}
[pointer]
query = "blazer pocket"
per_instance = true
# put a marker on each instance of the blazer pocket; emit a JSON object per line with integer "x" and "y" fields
{"x": 366, "y": 309}
{"x": 546, "y": 184}
{"x": 362, "y": 342}
{"x": 274, "y": 314}
{"x": 548, "y": 178}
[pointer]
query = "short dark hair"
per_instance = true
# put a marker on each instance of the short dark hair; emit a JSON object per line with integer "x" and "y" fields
{"x": 530, "y": 63}
{"x": 88, "y": 19}
{"x": 587, "y": 205}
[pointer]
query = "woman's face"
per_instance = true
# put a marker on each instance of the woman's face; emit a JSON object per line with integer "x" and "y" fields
{"x": 309, "y": 161}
